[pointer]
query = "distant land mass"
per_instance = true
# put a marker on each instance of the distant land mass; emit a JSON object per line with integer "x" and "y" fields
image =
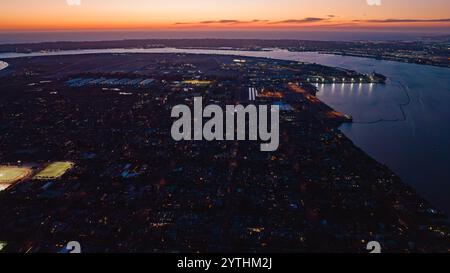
{"x": 429, "y": 51}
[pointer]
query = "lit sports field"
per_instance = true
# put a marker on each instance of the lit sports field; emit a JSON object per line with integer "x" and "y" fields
{"x": 54, "y": 170}
{"x": 10, "y": 175}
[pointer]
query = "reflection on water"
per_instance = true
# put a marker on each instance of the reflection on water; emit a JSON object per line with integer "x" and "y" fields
{"x": 404, "y": 124}
{"x": 365, "y": 102}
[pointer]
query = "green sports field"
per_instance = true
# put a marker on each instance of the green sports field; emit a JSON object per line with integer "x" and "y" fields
{"x": 54, "y": 170}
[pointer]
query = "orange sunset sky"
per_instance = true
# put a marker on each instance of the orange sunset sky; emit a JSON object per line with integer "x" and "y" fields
{"x": 221, "y": 14}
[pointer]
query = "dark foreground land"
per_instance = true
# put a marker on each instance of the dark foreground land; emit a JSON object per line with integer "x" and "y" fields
{"x": 135, "y": 189}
